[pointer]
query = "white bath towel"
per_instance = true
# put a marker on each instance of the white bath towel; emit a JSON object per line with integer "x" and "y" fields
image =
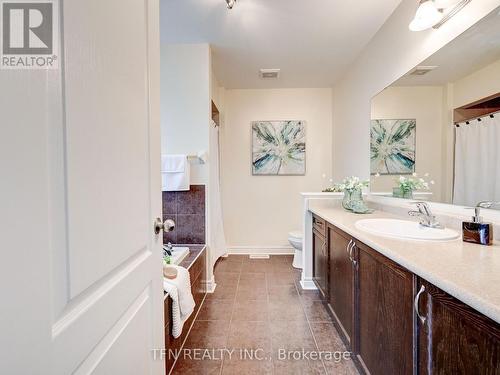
{"x": 179, "y": 289}
{"x": 175, "y": 172}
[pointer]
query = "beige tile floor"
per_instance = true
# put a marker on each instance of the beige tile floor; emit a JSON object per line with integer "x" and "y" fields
{"x": 258, "y": 305}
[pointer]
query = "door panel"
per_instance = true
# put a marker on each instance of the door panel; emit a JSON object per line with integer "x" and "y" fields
{"x": 115, "y": 345}
{"x": 107, "y": 147}
{"x": 108, "y": 295}
{"x": 320, "y": 263}
{"x": 385, "y": 311}
{"x": 81, "y": 188}
{"x": 341, "y": 282}
{"x": 455, "y": 339}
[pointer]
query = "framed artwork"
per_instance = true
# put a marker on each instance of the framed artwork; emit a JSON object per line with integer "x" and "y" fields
{"x": 278, "y": 148}
{"x": 392, "y": 146}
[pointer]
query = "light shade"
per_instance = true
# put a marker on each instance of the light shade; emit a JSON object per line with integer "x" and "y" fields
{"x": 427, "y": 16}
{"x": 445, "y": 4}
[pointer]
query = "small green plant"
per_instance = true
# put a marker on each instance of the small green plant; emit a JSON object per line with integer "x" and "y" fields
{"x": 167, "y": 259}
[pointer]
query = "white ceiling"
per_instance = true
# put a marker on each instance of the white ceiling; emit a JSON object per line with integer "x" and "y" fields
{"x": 476, "y": 48}
{"x": 311, "y": 41}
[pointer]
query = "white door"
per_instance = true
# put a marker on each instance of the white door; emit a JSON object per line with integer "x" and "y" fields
{"x": 81, "y": 274}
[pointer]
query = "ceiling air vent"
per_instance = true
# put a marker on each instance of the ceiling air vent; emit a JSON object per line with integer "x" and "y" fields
{"x": 421, "y": 70}
{"x": 269, "y": 73}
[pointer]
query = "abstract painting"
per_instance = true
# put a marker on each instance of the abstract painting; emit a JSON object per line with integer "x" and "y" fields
{"x": 392, "y": 146}
{"x": 278, "y": 148}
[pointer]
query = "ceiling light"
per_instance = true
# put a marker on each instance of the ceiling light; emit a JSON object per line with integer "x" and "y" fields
{"x": 434, "y": 13}
{"x": 445, "y": 4}
{"x": 427, "y": 16}
{"x": 230, "y": 4}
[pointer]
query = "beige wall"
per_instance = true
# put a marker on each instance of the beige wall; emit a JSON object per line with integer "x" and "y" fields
{"x": 259, "y": 211}
{"x": 185, "y": 102}
{"x": 425, "y": 104}
{"x": 478, "y": 85}
{"x": 391, "y": 53}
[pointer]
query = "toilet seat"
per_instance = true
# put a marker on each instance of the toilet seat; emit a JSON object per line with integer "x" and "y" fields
{"x": 296, "y": 235}
{"x": 295, "y": 239}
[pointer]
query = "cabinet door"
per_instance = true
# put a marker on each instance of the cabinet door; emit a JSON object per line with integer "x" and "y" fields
{"x": 320, "y": 263}
{"x": 341, "y": 298}
{"x": 453, "y": 338}
{"x": 385, "y": 311}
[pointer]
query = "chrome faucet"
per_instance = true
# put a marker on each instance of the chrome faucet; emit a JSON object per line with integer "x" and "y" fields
{"x": 427, "y": 219}
{"x": 167, "y": 249}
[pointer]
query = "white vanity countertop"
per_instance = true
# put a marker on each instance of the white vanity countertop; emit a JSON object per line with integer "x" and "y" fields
{"x": 469, "y": 272}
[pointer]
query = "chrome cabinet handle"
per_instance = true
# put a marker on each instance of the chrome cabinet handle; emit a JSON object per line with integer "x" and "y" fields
{"x": 348, "y": 248}
{"x": 416, "y": 304}
{"x": 353, "y": 261}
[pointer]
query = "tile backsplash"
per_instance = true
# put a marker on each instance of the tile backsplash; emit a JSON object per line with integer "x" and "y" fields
{"x": 187, "y": 209}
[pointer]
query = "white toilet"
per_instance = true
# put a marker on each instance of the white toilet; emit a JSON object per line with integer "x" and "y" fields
{"x": 295, "y": 239}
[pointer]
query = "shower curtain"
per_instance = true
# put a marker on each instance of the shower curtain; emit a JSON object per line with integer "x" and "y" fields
{"x": 217, "y": 239}
{"x": 477, "y": 162}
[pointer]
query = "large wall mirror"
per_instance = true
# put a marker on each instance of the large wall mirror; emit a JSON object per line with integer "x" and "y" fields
{"x": 435, "y": 132}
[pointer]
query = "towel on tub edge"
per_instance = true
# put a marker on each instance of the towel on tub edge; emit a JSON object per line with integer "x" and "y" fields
{"x": 179, "y": 289}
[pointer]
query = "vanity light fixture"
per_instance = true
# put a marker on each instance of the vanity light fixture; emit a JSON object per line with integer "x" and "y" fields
{"x": 434, "y": 13}
{"x": 230, "y": 3}
{"x": 426, "y": 17}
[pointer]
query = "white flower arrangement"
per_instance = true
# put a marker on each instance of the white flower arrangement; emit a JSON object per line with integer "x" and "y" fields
{"x": 408, "y": 184}
{"x": 350, "y": 184}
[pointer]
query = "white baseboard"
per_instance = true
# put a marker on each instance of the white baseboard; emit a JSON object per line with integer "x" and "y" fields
{"x": 260, "y": 250}
{"x": 308, "y": 284}
{"x": 210, "y": 285}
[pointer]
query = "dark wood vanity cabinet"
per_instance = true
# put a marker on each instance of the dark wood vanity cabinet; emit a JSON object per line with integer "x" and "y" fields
{"x": 453, "y": 338}
{"x": 320, "y": 256}
{"x": 392, "y": 321}
{"x": 342, "y": 280}
{"x": 384, "y": 314}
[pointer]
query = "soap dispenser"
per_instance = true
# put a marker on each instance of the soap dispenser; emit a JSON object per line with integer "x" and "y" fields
{"x": 476, "y": 231}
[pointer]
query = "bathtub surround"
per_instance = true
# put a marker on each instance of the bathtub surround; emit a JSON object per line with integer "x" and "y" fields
{"x": 189, "y": 92}
{"x": 187, "y": 209}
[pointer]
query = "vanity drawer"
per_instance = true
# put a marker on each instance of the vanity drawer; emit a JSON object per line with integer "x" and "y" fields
{"x": 320, "y": 225}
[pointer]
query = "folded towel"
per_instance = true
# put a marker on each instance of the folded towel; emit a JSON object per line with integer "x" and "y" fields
{"x": 175, "y": 173}
{"x": 179, "y": 289}
{"x": 173, "y": 163}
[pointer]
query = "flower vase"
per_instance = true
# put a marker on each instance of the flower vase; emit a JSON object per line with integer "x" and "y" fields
{"x": 352, "y": 198}
{"x": 397, "y": 192}
{"x": 347, "y": 200}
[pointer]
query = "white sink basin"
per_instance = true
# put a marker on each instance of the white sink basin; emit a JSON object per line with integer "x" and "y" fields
{"x": 394, "y": 228}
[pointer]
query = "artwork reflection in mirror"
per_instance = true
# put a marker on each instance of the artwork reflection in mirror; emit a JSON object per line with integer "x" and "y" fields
{"x": 392, "y": 146}
{"x": 444, "y": 144}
